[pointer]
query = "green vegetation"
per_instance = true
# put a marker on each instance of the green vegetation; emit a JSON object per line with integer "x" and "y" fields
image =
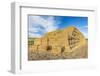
{"x": 31, "y": 41}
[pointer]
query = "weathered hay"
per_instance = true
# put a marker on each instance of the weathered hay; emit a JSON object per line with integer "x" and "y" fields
{"x": 60, "y": 43}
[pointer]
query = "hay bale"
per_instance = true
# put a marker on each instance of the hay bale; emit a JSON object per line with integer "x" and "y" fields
{"x": 63, "y": 43}
{"x": 37, "y": 41}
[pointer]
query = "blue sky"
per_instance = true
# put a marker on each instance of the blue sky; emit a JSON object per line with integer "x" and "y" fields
{"x": 39, "y": 25}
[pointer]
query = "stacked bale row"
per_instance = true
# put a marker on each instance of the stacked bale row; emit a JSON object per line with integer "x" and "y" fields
{"x": 60, "y": 42}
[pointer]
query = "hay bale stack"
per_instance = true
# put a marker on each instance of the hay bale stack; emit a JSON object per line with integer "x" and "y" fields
{"x": 33, "y": 48}
{"x": 37, "y": 41}
{"x": 60, "y": 41}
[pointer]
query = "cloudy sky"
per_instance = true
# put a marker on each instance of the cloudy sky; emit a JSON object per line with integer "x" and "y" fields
{"x": 39, "y": 25}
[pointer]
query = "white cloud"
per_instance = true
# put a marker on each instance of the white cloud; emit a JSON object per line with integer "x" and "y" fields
{"x": 41, "y": 25}
{"x": 84, "y": 30}
{"x": 34, "y": 35}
